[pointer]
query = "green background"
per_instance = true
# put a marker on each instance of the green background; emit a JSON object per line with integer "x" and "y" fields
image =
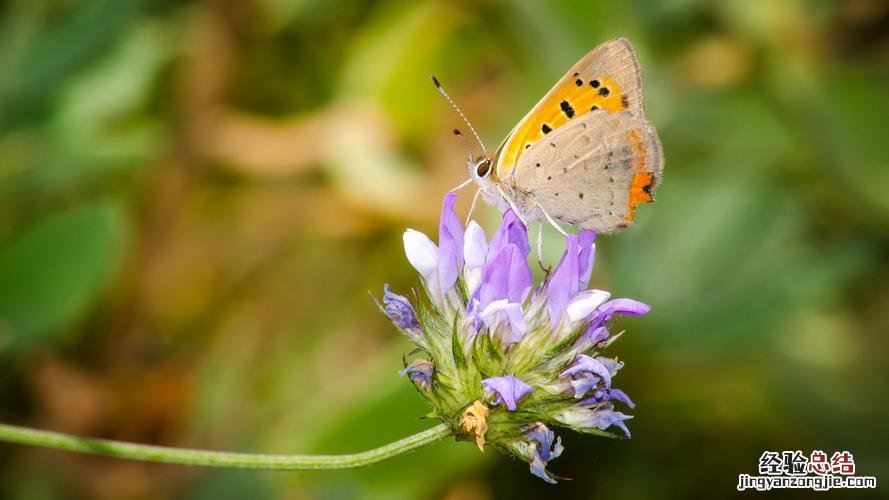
{"x": 196, "y": 198}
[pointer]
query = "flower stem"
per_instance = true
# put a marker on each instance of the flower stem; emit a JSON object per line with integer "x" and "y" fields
{"x": 149, "y": 453}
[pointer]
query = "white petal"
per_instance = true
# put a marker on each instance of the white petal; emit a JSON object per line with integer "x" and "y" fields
{"x": 512, "y": 312}
{"x": 495, "y": 307}
{"x": 575, "y": 417}
{"x": 421, "y": 253}
{"x": 582, "y": 304}
{"x": 475, "y": 246}
{"x": 473, "y": 277}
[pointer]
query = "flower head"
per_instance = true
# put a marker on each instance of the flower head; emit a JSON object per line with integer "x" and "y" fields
{"x": 506, "y": 360}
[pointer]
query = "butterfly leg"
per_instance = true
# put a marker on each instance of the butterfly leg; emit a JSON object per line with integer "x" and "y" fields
{"x": 544, "y": 268}
{"x": 551, "y": 220}
{"x": 461, "y": 186}
{"x": 512, "y": 206}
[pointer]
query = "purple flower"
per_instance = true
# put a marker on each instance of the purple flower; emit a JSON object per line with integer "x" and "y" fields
{"x": 605, "y": 395}
{"x": 543, "y": 450}
{"x": 590, "y": 337}
{"x": 629, "y": 307}
{"x": 564, "y": 283}
{"x": 587, "y": 241}
{"x": 420, "y": 373}
{"x": 506, "y": 389}
{"x": 450, "y": 244}
{"x": 586, "y": 372}
{"x": 486, "y": 315}
{"x": 506, "y": 276}
{"x": 400, "y": 311}
{"x": 505, "y": 321}
{"x": 599, "y": 418}
{"x": 438, "y": 265}
{"x": 511, "y": 231}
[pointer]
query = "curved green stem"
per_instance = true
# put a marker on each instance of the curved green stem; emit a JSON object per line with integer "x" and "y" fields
{"x": 120, "y": 449}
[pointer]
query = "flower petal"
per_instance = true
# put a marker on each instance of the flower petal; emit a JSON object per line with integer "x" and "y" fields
{"x": 450, "y": 244}
{"x": 563, "y": 284}
{"x": 399, "y": 310}
{"x": 475, "y": 245}
{"x": 420, "y": 373}
{"x": 422, "y": 254}
{"x": 590, "y": 337}
{"x": 506, "y": 276}
{"x": 584, "y": 303}
{"x": 605, "y": 395}
{"x": 506, "y": 389}
{"x": 540, "y": 449}
{"x": 629, "y": 307}
{"x": 587, "y": 241}
{"x": 511, "y": 231}
{"x": 600, "y": 418}
{"x": 586, "y": 373}
{"x": 500, "y": 309}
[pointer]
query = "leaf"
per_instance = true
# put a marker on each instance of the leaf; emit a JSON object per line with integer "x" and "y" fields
{"x": 56, "y": 269}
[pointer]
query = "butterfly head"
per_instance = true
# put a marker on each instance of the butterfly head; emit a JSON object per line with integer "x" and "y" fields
{"x": 482, "y": 171}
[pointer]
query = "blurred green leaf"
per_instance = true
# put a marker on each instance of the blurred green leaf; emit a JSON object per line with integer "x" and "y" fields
{"x": 56, "y": 269}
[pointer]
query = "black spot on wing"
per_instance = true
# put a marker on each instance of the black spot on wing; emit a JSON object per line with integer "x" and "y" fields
{"x": 578, "y": 82}
{"x": 567, "y": 109}
{"x": 648, "y": 187}
{"x": 625, "y": 101}
{"x": 546, "y": 128}
{"x": 594, "y": 84}
{"x": 604, "y": 91}
{"x": 594, "y": 108}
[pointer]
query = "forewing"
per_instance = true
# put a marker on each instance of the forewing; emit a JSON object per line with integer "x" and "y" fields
{"x": 607, "y": 78}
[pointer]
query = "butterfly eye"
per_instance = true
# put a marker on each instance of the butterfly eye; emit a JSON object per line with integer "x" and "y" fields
{"x": 483, "y": 168}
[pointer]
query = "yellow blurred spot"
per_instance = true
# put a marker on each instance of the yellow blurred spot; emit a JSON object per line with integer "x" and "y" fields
{"x": 474, "y": 421}
{"x": 716, "y": 62}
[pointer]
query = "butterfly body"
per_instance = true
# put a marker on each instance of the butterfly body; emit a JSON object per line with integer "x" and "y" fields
{"x": 585, "y": 154}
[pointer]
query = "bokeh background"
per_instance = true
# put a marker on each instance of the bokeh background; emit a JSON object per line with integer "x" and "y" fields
{"x": 197, "y": 197}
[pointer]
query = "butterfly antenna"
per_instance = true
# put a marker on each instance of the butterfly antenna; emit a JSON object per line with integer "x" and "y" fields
{"x": 469, "y": 141}
{"x": 479, "y": 143}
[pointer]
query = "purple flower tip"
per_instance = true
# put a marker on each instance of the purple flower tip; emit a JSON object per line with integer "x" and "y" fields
{"x": 586, "y": 372}
{"x": 544, "y": 450}
{"x": 399, "y": 310}
{"x": 420, "y": 373}
{"x": 629, "y": 307}
{"x": 600, "y": 418}
{"x": 605, "y": 395}
{"x": 450, "y": 244}
{"x": 506, "y": 389}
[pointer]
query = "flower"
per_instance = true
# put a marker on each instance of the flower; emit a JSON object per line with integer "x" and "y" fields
{"x": 504, "y": 360}
{"x": 400, "y": 311}
{"x": 538, "y": 449}
{"x": 420, "y": 372}
{"x": 507, "y": 390}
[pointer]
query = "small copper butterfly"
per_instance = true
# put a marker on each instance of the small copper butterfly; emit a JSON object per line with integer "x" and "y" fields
{"x": 585, "y": 154}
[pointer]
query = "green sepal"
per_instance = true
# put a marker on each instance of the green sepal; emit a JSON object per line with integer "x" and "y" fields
{"x": 457, "y": 348}
{"x": 486, "y": 356}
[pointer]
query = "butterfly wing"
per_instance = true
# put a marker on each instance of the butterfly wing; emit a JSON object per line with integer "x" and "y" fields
{"x": 593, "y": 171}
{"x": 607, "y": 78}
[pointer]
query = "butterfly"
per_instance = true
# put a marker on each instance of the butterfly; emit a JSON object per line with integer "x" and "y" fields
{"x": 584, "y": 155}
